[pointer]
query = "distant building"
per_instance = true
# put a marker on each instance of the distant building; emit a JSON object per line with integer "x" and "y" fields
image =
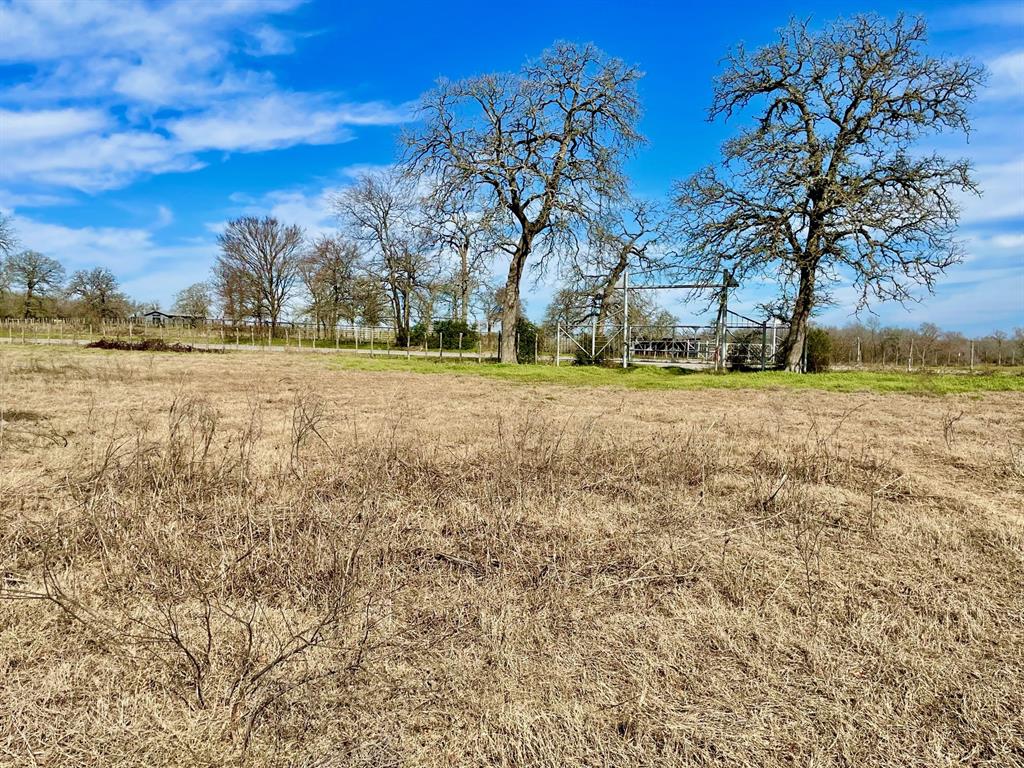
{"x": 156, "y": 317}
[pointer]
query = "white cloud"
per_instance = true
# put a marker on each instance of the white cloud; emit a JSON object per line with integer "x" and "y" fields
{"x": 314, "y": 213}
{"x": 974, "y": 302}
{"x": 164, "y": 216}
{"x": 1009, "y": 65}
{"x": 1009, "y": 241}
{"x": 268, "y": 41}
{"x": 176, "y": 269}
{"x": 95, "y": 161}
{"x": 121, "y": 249}
{"x": 261, "y": 123}
{"x": 1006, "y": 76}
{"x": 281, "y": 119}
{"x": 49, "y": 29}
{"x": 974, "y": 15}
{"x": 20, "y": 127}
{"x": 10, "y": 200}
{"x": 60, "y": 147}
{"x": 1002, "y": 193}
{"x": 310, "y": 208}
{"x": 125, "y": 89}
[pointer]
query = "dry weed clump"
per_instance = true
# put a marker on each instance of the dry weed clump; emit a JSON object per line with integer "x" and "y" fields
{"x": 276, "y": 578}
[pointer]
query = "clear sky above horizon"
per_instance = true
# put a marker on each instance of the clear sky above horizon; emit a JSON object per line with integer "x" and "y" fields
{"x": 131, "y": 131}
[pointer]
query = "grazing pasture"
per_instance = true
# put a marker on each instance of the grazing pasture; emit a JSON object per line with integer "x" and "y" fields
{"x": 267, "y": 560}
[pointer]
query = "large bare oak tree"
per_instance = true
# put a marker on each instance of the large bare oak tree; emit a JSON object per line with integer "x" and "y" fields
{"x": 832, "y": 183}
{"x": 539, "y": 145}
{"x": 37, "y": 276}
{"x": 99, "y": 293}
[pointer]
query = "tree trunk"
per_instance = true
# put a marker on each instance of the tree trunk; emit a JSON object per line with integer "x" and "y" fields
{"x": 510, "y": 309}
{"x": 396, "y": 309}
{"x": 406, "y": 313}
{"x": 608, "y": 290}
{"x": 793, "y": 347}
{"x": 464, "y": 281}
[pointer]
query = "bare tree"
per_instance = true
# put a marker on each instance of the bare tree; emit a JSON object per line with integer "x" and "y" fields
{"x": 537, "y": 145}
{"x": 99, "y": 293}
{"x": 36, "y": 275}
{"x": 328, "y": 273}
{"x": 235, "y": 292}
{"x": 259, "y": 260}
{"x": 137, "y": 308}
{"x": 928, "y": 335}
{"x": 468, "y": 231}
{"x": 999, "y": 337}
{"x": 826, "y": 185}
{"x": 625, "y": 234}
{"x": 571, "y": 306}
{"x": 369, "y": 302}
{"x": 488, "y": 298}
{"x": 8, "y": 240}
{"x": 194, "y": 301}
{"x": 381, "y": 210}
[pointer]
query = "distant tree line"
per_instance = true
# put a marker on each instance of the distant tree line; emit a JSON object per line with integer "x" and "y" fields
{"x": 33, "y": 285}
{"x": 927, "y": 345}
{"x": 825, "y": 186}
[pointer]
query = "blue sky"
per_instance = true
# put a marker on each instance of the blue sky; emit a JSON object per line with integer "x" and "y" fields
{"x": 130, "y": 131}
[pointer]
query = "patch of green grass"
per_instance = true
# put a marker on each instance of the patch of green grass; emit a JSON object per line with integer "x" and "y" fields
{"x": 644, "y": 377}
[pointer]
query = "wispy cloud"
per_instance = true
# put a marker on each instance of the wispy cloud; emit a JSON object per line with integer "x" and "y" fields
{"x": 26, "y": 127}
{"x": 122, "y": 249}
{"x": 311, "y": 209}
{"x": 269, "y": 41}
{"x": 1002, "y": 13}
{"x": 1002, "y": 192}
{"x": 1006, "y": 76}
{"x": 309, "y": 206}
{"x": 95, "y": 161}
{"x": 280, "y": 119}
{"x": 125, "y": 89}
{"x": 164, "y": 216}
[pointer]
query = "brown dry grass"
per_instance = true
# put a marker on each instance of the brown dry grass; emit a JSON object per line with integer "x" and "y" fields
{"x": 256, "y": 560}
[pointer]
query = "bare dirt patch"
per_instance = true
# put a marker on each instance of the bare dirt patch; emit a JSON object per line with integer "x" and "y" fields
{"x": 12, "y": 415}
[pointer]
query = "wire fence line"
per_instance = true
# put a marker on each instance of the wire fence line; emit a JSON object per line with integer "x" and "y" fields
{"x": 369, "y": 339}
{"x": 679, "y": 344}
{"x": 749, "y": 345}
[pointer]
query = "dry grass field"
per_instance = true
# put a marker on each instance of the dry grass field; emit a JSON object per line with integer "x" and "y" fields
{"x": 271, "y": 560}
